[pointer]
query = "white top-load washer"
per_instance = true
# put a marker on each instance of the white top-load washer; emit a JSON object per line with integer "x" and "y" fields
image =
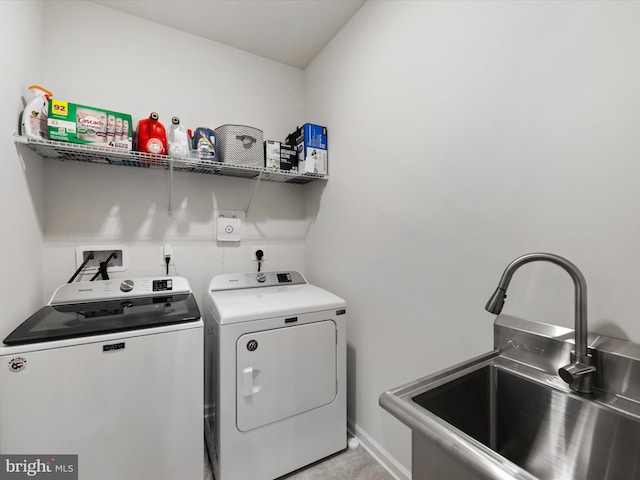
{"x": 112, "y": 372}
{"x": 275, "y": 374}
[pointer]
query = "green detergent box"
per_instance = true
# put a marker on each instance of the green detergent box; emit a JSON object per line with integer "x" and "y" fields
{"x": 71, "y": 122}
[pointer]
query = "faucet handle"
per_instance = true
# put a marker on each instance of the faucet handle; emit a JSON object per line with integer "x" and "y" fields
{"x": 578, "y": 373}
{"x": 573, "y": 371}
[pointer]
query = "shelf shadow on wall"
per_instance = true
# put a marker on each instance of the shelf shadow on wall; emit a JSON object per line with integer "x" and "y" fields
{"x": 33, "y": 170}
{"x": 312, "y": 200}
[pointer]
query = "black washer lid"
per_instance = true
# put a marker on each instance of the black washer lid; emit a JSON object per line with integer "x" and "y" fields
{"x": 59, "y": 322}
{"x": 92, "y": 308}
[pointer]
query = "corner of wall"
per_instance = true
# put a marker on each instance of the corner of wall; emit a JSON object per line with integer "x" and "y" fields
{"x": 22, "y": 182}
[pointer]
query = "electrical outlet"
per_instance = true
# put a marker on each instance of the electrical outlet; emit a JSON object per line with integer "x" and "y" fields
{"x": 167, "y": 250}
{"x": 253, "y": 253}
{"x": 101, "y": 253}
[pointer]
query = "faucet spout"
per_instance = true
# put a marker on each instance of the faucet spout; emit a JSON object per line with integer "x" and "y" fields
{"x": 579, "y": 371}
{"x": 496, "y": 302}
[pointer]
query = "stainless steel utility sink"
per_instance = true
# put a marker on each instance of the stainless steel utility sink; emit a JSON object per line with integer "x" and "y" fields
{"x": 549, "y": 433}
{"x": 507, "y": 414}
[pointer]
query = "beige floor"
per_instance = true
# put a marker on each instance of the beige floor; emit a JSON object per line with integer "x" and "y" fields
{"x": 350, "y": 464}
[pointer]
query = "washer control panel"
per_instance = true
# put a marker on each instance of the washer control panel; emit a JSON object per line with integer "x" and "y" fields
{"x": 108, "y": 289}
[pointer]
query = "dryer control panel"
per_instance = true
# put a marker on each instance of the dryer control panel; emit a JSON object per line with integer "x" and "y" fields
{"x": 235, "y": 281}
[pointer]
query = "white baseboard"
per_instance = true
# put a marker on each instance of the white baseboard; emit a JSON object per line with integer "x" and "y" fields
{"x": 395, "y": 468}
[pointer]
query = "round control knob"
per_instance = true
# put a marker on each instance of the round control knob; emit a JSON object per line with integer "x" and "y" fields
{"x": 126, "y": 286}
{"x": 261, "y": 277}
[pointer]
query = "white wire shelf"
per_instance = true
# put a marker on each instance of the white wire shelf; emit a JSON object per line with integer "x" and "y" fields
{"x": 111, "y": 156}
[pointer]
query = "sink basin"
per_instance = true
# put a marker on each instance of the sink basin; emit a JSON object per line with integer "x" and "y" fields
{"x": 549, "y": 433}
{"x": 507, "y": 414}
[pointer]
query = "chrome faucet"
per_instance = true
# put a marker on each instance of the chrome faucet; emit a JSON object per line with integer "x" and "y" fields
{"x": 578, "y": 373}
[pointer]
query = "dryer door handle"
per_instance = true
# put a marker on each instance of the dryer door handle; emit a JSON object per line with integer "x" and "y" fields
{"x": 248, "y": 387}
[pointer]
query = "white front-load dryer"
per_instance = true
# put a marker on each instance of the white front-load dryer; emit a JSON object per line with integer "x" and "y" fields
{"x": 275, "y": 374}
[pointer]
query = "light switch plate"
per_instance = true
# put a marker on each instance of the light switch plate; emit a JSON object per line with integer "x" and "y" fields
{"x": 229, "y": 229}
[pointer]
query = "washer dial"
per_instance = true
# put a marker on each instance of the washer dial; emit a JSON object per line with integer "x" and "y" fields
{"x": 126, "y": 286}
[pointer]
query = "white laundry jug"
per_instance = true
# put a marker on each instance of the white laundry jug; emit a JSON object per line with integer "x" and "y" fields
{"x": 177, "y": 139}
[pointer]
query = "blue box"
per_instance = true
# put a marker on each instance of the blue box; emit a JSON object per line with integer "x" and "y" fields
{"x": 311, "y": 143}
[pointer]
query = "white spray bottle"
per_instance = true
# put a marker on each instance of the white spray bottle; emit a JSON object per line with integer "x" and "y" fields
{"x": 35, "y": 114}
{"x": 177, "y": 139}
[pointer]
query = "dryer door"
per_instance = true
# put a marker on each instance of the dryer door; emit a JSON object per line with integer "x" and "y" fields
{"x": 284, "y": 372}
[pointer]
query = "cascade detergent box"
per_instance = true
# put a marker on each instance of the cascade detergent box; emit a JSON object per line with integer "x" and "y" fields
{"x": 311, "y": 143}
{"x": 70, "y": 122}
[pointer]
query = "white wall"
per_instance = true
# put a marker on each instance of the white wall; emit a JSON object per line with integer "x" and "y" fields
{"x": 461, "y": 135}
{"x": 109, "y": 59}
{"x": 21, "y": 186}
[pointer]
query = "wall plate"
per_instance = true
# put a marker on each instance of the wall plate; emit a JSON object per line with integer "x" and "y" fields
{"x": 255, "y": 249}
{"x": 229, "y": 229}
{"x": 101, "y": 253}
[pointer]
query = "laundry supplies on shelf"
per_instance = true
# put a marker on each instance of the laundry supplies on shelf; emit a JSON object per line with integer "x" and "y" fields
{"x": 34, "y": 117}
{"x": 280, "y": 156}
{"x": 64, "y": 130}
{"x": 178, "y": 140}
{"x": 71, "y": 122}
{"x": 311, "y": 143}
{"x": 151, "y": 136}
{"x": 205, "y": 142}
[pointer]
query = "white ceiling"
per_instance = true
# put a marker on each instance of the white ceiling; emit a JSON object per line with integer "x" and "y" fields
{"x": 288, "y": 31}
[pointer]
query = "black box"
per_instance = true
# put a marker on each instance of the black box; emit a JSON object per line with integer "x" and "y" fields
{"x": 288, "y": 157}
